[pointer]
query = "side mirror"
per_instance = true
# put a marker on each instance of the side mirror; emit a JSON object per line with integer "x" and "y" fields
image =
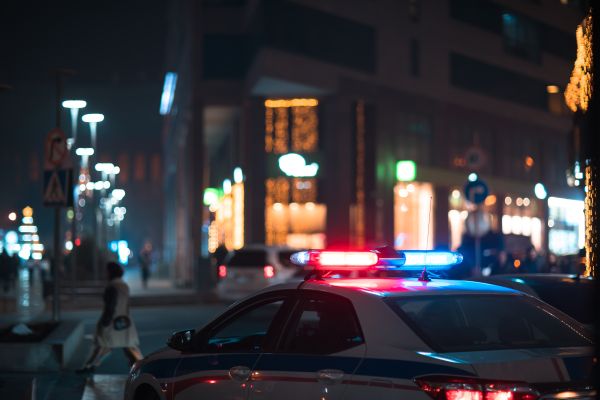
{"x": 182, "y": 340}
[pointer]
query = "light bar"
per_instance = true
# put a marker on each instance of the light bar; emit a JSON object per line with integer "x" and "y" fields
{"x": 335, "y": 260}
{"x": 417, "y": 259}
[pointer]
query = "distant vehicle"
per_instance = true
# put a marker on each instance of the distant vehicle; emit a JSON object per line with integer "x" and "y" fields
{"x": 375, "y": 338}
{"x": 572, "y": 294}
{"x": 253, "y": 268}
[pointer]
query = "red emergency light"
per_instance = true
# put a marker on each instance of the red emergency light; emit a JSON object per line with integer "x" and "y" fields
{"x": 335, "y": 260}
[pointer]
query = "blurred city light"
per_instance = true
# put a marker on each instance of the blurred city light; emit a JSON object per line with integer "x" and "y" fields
{"x": 406, "y": 170}
{"x": 227, "y": 186}
{"x": 74, "y": 104}
{"x": 104, "y": 167}
{"x": 552, "y": 89}
{"x": 472, "y": 177}
{"x": 238, "y": 176}
{"x": 118, "y": 194}
{"x": 92, "y": 118}
{"x": 168, "y": 93}
{"x": 540, "y": 191}
{"x": 84, "y": 151}
{"x": 12, "y": 216}
{"x": 211, "y": 196}
{"x": 294, "y": 165}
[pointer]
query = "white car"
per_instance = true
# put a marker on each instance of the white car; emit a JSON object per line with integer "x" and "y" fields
{"x": 252, "y": 268}
{"x": 374, "y": 338}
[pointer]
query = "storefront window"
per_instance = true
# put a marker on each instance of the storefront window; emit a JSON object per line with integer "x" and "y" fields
{"x": 566, "y": 223}
{"x": 413, "y": 215}
{"x": 293, "y": 217}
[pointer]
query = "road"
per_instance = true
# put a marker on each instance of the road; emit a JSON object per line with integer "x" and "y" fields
{"x": 154, "y": 324}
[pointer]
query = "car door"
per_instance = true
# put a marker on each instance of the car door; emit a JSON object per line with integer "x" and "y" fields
{"x": 320, "y": 348}
{"x": 229, "y": 349}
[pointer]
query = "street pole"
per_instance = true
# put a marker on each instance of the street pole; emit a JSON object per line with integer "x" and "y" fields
{"x": 57, "y": 250}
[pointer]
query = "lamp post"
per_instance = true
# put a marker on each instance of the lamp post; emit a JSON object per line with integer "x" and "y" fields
{"x": 93, "y": 120}
{"x": 74, "y": 106}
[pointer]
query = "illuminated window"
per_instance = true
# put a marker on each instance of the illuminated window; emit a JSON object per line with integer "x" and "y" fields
{"x": 412, "y": 217}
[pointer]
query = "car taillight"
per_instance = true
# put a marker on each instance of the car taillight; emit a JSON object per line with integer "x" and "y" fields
{"x": 464, "y": 388}
{"x": 268, "y": 271}
{"x": 222, "y": 271}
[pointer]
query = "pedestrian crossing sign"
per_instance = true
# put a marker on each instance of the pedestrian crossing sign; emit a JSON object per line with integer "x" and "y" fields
{"x": 58, "y": 187}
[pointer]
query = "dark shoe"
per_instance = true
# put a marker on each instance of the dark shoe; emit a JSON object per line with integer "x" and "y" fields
{"x": 86, "y": 370}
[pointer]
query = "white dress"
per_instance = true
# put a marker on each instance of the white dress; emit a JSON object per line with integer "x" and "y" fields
{"x": 121, "y": 331}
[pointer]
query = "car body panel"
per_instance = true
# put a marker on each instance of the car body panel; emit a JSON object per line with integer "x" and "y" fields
{"x": 383, "y": 367}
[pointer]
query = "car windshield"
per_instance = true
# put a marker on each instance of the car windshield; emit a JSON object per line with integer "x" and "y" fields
{"x": 248, "y": 258}
{"x": 488, "y": 322}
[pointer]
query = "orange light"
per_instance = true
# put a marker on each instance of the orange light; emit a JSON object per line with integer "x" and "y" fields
{"x": 552, "y": 89}
{"x": 529, "y": 161}
{"x": 517, "y": 263}
{"x": 269, "y": 271}
{"x": 291, "y": 103}
{"x": 490, "y": 200}
{"x": 222, "y": 271}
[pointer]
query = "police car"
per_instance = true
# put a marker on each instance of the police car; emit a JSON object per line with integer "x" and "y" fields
{"x": 333, "y": 336}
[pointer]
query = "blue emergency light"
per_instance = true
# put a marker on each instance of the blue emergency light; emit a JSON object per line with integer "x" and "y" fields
{"x": 385, "y": 258}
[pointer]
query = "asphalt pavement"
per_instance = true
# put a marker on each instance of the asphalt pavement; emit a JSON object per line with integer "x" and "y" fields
{"x": 154, "y": 325}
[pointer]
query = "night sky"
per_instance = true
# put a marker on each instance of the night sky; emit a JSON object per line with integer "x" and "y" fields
{"x": 117, "y": 49}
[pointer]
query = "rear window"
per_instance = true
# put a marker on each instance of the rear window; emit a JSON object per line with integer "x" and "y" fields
{"x": 573, "y": 298}
{"x": 492, "y": 322}
{"x": 248, "y": 258}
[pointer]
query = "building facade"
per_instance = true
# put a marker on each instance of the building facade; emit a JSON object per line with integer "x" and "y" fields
{"x": 355, "y": 123}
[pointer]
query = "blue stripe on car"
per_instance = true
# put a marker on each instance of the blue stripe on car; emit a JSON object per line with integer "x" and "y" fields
{"x": 165, "y": 368}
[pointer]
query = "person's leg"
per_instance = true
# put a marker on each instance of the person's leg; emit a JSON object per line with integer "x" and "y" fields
{"x": 133, "y": 354}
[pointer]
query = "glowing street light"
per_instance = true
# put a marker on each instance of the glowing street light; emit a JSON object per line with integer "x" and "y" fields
{"x": 93, "y": 120}
{"x": 74, "y": 106}
{"x": 540, "y": 191}
{"x": 12, "y": 216}
{"x": 118, "y": 194}
{"x": 84, "y": 153}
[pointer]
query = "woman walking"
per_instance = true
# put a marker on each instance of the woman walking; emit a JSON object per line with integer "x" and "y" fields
{"x": 115, "y": 329}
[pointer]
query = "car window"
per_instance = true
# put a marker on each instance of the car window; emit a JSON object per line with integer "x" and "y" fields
{"x": 247, "y": 331}
{"x": 322, "y": 326}
{"x": 493, "y": 322}
{"x": 573, "y": 298}
{"x": 248, "y": 258}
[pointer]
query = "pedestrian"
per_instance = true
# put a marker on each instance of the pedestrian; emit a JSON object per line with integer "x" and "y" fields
{"x": 115, "y": 329}
{"x": 145, "y": 259}
{"x": 531, "y": 262}
{"x": 502, "y": 264}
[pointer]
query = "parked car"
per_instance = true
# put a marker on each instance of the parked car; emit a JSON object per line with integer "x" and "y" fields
{"x": 253, "y": 268}
{"x": 572, "y": 294}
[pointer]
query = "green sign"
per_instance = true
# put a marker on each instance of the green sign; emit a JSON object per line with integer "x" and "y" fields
{"x": 406, "y": 170}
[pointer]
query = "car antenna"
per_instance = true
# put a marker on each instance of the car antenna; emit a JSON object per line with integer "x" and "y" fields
{"x": 424, "y": 275}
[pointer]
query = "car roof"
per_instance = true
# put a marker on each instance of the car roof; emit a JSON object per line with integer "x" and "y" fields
{"x": 392, "y": 287}
{"x": 538, "y": 278}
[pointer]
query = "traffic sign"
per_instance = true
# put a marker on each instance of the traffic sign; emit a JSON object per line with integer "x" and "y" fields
{"x": 58, "y": 174}
{"x": 56, "y": 153}
{"x": 58, "y": 187}
{"x": 476, "y": 191}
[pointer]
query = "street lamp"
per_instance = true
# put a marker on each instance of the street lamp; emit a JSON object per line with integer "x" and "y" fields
{"x": 93, "y": 120}
{"x": 84, "y": 153}
{"x": 74, "y": 106}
